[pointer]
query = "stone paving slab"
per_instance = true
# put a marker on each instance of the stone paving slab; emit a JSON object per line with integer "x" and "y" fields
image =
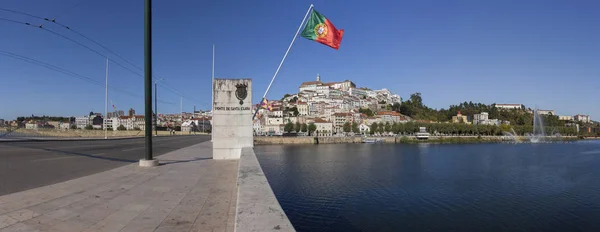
{"x": 189, "y": 191}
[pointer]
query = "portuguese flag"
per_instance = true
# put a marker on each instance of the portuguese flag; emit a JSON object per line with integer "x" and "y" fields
{"x": 320, "y": 29}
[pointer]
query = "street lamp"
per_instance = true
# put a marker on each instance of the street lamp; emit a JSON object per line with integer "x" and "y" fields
{"x": 156, "y": 107}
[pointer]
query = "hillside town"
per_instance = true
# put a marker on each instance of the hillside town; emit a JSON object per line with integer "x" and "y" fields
{"x": 331, "y": 106}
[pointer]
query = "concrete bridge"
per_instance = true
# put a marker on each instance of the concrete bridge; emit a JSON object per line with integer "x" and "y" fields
{"x": 215, "y": 185}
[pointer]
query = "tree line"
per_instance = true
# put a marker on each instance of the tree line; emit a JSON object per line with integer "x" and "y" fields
{"x": 414, "y": 108}
{"x": 410, "y": 128}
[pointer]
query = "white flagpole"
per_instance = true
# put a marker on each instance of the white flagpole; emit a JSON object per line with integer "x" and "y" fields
{"x": 106, "y": 102}
{"x": 284, "y": 56}
{"x": 212, "y": 86}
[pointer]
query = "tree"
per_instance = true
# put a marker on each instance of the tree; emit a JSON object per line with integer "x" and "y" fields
{"x": 295, "y": 111}
{"x": 355, "y": 128}
{"x": 294, "y": 100}
{"x": 137, "y": 128}
{"x": 347, "y": 127}
{"x": 285, "y": 96}
{"x": 89, "y": 127}
{"x": 388, "y": 127}
{"x": 311, "y": 128}
{"x": 366, "y": 111}
{"x": 289, "y": 127}
{"x": 297, "y": 127}
{"x": 73, "y": 127}
{"x": 396, "y": 107}
{"x": 373, "y": 128}
{"x": 381, "y": 102}
{"x": 304, "y": 127}
{"x": 406, "y": 109}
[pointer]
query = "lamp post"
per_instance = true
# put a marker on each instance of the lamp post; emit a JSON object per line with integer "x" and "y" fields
{"x": 148, "y": 161}
{"x": 156, "y": 106}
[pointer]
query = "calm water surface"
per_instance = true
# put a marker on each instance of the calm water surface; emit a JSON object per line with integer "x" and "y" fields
{"x": 477, "y": 187}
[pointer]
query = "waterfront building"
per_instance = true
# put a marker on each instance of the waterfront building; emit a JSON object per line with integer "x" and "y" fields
{"x": 324, "y": 128}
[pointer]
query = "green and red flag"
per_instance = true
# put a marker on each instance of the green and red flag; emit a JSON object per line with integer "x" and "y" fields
{"x": 320, "y": 29}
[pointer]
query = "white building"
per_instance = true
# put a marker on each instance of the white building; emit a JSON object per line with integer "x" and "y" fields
{"x": 274, "y": 121}
{"x": 64, "y": 125}
{"x": 322, "y": 90}
{"x": 565, "y": 118}
{"x": 324, "y": 128}
{"x": 508, "y": 106}
{"x": 303, "y": 108}
{"x": 357, "y": 92}
{"x": 582, "y": 118}
{"x": 31, "y": 126}
{"x": 311, "y": 85}
{"x": 82, "y": 122}
{"x": 545, "y": 112}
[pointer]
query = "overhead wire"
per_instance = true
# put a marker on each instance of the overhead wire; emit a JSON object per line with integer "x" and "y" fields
{"x": 71, "y": 73}
{"x": 87, "y": 47}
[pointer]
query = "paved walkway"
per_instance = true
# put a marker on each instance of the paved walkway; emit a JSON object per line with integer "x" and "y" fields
{"x": 189, "y": 192}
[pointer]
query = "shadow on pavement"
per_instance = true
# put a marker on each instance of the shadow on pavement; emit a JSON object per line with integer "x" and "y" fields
{"x": 78, "y": 154}
{"x": 165, "y": 162}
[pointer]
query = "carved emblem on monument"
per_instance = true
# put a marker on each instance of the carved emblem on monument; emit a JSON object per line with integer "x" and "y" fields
{"x": 241, "y": 92}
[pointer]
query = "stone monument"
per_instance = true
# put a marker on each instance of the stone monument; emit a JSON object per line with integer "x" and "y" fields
{"x": 232, "y": 117}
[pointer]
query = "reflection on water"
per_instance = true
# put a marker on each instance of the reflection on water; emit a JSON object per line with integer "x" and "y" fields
{"x": 427, "y": 187}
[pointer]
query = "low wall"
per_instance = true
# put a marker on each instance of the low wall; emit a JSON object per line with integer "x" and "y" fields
{"x": 267, "y": 140}
{"x": 257, "y": 207}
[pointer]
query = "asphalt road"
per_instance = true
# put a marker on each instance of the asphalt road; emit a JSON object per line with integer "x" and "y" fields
{"x": 26, "y": 165}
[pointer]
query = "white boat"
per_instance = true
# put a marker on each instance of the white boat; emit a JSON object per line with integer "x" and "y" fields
{"x": 422, "y": 134}
{"x": 373, "y": 140}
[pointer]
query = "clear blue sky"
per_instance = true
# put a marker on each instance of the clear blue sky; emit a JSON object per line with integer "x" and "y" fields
{"x": 544, "y": 53}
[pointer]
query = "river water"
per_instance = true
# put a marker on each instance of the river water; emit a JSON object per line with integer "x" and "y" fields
{"x": 444, "y": 187}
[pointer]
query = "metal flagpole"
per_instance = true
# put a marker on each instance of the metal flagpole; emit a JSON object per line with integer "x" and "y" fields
{"x": 212, "y": 87}
{"x": 284, "y": 56}
{"x": 106, "y": 102}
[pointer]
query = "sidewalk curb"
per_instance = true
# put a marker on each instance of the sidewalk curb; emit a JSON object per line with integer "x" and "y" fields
{"x": 68, "y": 139}
{"x": 81, "y": 139}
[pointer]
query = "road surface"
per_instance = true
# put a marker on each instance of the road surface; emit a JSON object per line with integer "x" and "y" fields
{"x": 26, "y": 165}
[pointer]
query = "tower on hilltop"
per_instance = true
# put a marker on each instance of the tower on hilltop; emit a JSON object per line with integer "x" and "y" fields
{"x": 318, "y": 77}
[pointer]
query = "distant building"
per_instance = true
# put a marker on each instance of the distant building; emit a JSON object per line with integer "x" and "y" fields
{"x": 389, "y": 116}
{"x": 82, "y": 122}
{"x": 565, "y": 118}
{"x": 31, "y": 126}
{"x": 459, "y": 118}
{"x": 131, "y": 112}
{"x": 357, "y": 92}
{"x": 339, "y": 119}
{"x": 483, "y": 116}
{"x": 2, "y": 123}
{"x": 64, "y": 125}
{"x": 545, "y": 112}
{"x": 509, "y": 106}
{"x": 582, "y": 118}
{"x": 303, "y": 108}
{"x": 324, "y": 128}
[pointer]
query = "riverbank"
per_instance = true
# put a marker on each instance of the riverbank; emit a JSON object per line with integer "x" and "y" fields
{"x": 270, "y": 140}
